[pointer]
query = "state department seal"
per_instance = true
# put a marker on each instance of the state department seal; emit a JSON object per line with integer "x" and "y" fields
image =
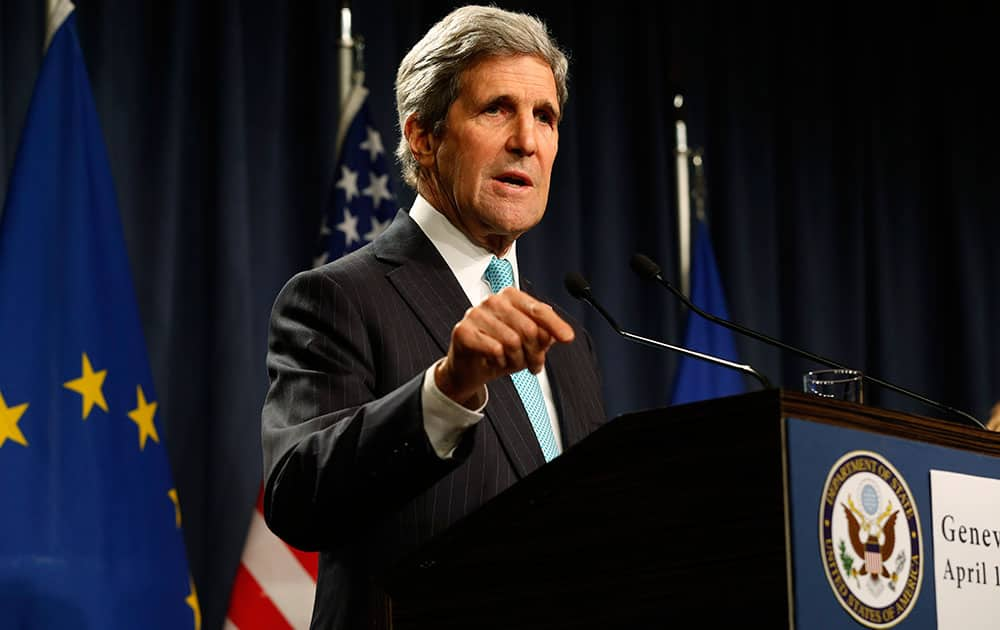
{"x": 870, "y": 539}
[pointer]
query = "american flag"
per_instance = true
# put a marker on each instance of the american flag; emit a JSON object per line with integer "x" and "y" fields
{"x": 361, "y": 203}
{"x": 276, "y": 583}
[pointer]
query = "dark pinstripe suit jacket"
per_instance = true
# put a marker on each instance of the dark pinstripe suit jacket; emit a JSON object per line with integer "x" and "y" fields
{"x": 348, "y": 468}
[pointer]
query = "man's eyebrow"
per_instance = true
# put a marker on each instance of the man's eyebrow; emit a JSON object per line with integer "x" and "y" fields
{"x": 499, "y": 99}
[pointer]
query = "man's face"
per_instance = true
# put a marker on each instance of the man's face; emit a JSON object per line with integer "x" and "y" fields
{"x": 489, "y": 172}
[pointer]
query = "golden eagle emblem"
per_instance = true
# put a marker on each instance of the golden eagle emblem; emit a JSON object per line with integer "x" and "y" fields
{"x": 872, "y": 539}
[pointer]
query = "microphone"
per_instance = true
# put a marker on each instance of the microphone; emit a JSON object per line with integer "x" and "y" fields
{"x": 649, "y": 270}
{"x": 578, "y": 287}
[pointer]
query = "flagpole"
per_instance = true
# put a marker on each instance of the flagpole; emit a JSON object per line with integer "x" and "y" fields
{"x": 698, "y": 190}
{"x": 683, "y": 195}
{"x": 346, "y": 56}
{"x": 352, "y": 73}
{"x": 56, "y": 12}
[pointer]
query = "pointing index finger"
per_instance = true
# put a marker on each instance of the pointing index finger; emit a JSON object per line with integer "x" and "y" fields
{"x": 547, "y": 318}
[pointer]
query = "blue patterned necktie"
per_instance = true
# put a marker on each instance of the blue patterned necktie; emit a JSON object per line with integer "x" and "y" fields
{"x": 500, "y": 274}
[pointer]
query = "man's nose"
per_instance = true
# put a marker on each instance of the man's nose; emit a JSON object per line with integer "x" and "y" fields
{"x": 522, "y": 140}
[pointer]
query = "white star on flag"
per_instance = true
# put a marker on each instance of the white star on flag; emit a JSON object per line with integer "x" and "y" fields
{"x": 373, "y": 144}
{"x": 377, "y": 228}
{"x": 349, "y": 226}
{"x": 348, "y": 182}
{"x": 378, "y": 189}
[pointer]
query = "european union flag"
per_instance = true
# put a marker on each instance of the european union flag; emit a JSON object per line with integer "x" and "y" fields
{"x": 362, "y": 203}
{"x": 91, "y": 531}
{"x": 697, "y": 379}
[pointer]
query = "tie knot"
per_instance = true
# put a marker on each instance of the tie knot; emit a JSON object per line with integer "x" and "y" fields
{"x": 499, "y": 274}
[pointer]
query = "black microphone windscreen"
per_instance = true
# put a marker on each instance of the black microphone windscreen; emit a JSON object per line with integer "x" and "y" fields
{"x": 643, "y": 266}
{"x": 577, "y": 285}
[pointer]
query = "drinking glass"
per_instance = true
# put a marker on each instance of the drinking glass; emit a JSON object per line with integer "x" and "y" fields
{"x": 839, "y": 384}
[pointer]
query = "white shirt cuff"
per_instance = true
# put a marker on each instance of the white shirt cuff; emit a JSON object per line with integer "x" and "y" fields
{"x": 444, "y": 419}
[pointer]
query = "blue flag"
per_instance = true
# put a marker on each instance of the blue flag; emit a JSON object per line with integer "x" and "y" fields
{"x": 697, "y": 379}
{"x": 362, "y": 203}
{"x": 91, "y": 530}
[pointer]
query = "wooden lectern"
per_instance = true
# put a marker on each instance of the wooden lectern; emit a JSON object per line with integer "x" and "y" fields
{"x": 670, "y": 517}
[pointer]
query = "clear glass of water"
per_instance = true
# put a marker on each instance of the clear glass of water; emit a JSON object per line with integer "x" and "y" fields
{"x": 838, "y": 384}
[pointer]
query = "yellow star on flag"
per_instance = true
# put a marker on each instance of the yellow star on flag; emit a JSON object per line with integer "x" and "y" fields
{"x": 172, "y": 493}
{"x": 9, "y": 417}
{"x": 192, "y": 601}
{"x": 142, "y": 415}
{"x": 89, "y": 386}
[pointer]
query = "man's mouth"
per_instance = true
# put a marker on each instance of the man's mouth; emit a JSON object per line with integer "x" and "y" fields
{"x": 514, "y": 178}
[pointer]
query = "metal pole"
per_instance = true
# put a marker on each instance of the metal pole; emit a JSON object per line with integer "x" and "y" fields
{"x": 683, "y": 197}
{"x": 698, "y": 191}
{"x": 346, "y": 56}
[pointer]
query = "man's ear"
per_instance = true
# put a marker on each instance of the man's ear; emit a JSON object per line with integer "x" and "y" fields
{"x": 421, "y": 141}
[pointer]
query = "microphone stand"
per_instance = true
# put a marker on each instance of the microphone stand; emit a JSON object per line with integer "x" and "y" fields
{"x": 579, "y": 289}
{"x": 646, "y": 268}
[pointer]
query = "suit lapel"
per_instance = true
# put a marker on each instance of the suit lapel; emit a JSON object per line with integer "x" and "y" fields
{"x": 560, "y": 369}
{"x": 428, "y": 286}
{"x": 422, "y": 278}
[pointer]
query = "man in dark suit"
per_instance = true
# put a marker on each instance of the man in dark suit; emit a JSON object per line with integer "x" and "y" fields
{"x": 408, "y": 387}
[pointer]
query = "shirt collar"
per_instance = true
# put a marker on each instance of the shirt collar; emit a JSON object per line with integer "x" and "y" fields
{"x": 466, "y": 260}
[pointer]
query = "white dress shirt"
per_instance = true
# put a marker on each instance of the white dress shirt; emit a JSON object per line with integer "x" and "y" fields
{"x": 444, "y": 419}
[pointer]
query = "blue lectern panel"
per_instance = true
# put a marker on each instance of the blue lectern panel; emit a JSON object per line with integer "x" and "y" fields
{"x": 861, "y": 529}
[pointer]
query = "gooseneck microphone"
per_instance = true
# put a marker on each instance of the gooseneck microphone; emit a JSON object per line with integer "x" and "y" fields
{"x": 578, "y": 287}
{"x": 649, "y": 270}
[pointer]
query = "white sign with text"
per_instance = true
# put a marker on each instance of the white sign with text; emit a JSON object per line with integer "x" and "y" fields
{"x": 966, "y": 523}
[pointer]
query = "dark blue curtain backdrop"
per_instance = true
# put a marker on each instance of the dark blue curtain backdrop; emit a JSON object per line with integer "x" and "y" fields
{"x": 851, "y": 186}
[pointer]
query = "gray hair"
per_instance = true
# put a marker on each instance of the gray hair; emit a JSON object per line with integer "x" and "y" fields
{"x": 428, "y": 79}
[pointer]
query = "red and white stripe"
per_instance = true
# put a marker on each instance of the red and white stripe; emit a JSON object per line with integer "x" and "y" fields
{"x": 275, "y": 584}
{"x": 873, "y": 562}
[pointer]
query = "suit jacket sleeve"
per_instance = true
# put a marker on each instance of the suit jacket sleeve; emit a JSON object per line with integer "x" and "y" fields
{"x": 336, "y": 454}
